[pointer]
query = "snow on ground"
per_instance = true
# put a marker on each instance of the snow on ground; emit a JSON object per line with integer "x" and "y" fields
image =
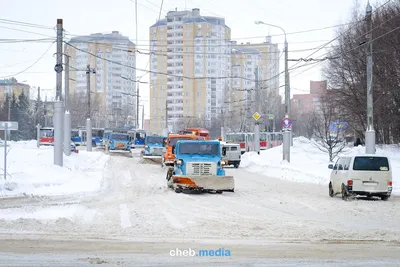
{"x": 31, "y": 171}
{"x": 309, "y": 164}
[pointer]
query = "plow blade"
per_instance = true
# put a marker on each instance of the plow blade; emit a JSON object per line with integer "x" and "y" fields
{"x": 205, "y": 182}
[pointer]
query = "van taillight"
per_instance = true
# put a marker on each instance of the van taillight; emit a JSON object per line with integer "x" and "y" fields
{"x": 390, "y": 183}
{"x": 350, "y": 182}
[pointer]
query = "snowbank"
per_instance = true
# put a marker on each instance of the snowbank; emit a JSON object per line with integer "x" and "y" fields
{"x": 31, "y": 171}
{"x": 309, "y": 164}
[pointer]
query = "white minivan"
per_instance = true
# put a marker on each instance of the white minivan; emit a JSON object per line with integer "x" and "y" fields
{"x": 365, "y": 175}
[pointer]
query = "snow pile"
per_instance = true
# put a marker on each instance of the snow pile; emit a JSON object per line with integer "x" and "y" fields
{"x": 309, "y": 164}
{"x": 31, "y": 170}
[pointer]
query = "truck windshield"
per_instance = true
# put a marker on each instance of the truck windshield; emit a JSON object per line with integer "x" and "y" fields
{"x": 155, "y": 140}
{"x": 371, "y": 164}
{"x": 124, "y": 137}
{"x": 209, "y": 149}
{"x": 172, "y": 141}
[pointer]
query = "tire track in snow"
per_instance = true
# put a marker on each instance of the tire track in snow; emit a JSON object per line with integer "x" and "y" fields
{"x": 171, "y": 218}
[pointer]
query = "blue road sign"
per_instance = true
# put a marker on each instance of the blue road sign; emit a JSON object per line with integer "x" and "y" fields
{"x": 286, "y": 123}
{"x": 337, "y": 126}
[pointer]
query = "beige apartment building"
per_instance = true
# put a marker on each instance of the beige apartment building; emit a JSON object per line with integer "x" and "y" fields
{"x": 194, "y": 65}
{"x": 266, "y": 65}
{"x": 196, "y": 47}
{"x": 113, "y": 86}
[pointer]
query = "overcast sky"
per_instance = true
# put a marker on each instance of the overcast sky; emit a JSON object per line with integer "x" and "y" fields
{"x": 82, "y": 17}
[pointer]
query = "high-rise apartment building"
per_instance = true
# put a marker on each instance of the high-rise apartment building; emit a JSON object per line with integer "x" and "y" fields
{"x": 189, "y": 63}
{"x": 112, "y": 86}
{"x": 244, "y": 96}
{"x": 266, "y": 89}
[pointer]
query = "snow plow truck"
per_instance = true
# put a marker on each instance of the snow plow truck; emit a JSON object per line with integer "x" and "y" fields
{"x": 198, "y": 168}
{"x": 154, "y": 147}
{"x": 168, "y": 157}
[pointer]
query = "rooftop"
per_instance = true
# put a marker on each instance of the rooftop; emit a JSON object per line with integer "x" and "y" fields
{"x": 114, "y": 36}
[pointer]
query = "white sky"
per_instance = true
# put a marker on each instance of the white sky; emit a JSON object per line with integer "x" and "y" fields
{"x": 82, "y": 17}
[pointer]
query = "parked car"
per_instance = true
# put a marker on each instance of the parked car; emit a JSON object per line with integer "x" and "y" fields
{"x": 364, "y": 175}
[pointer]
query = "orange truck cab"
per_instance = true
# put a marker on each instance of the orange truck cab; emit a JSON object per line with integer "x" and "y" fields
{"x": 199, "y": 132}
{"x": 169, "y": 155}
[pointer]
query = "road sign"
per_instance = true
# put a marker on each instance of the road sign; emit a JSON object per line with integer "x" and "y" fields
{"x": 271, "y": 117}
{"x": 337, "y": 126}
{"x": 256, "y": 116}
{"x": 286, "y": 123}
{"x": 11, "y": 125}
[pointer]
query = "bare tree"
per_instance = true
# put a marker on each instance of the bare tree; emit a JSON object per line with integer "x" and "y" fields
{"x": 327, "y": 139}
{"x": 347, "y": 73}
{"x": 79, "y": 108}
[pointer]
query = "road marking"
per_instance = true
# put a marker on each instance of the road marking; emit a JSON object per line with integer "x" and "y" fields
{"x": 173, "y": 221}
{"x": 124, "y": 214}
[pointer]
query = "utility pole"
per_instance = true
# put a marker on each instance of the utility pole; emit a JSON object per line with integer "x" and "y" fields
{"x": 142, "y": 117}
{"x": 370, "y": 133}
{"x": 287, "y": 132}
{"x": 58, "y": 104}
{"x": 88, "y": 120}
{"x": 137, "y": 106}
{"x": 67, "y": 116}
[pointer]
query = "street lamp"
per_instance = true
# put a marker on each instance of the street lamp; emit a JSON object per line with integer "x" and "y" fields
{"x": 287, "y": 133}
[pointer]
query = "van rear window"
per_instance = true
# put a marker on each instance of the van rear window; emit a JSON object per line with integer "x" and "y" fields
{"x": 371, "y": 164}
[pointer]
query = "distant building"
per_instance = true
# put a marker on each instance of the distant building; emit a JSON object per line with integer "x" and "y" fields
{"x": 10, "y": 86}
{"x": 186, "y": 43}
{"x": 113, "y": 85}
{"x": 303, "y": 106}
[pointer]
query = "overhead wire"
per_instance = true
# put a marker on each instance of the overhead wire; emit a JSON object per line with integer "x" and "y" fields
{"x": 354, "y": 24}
{"x": 47, "y": 50}
{"x": 148, "y": 62}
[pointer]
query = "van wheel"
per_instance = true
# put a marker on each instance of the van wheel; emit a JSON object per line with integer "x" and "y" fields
{"x": 236, "y": 165}
{"x": 331, "y": 192}
{"x": 345, "y": 196}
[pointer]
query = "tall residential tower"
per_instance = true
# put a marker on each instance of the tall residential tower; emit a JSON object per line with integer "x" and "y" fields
{"x": 189, "y": 60}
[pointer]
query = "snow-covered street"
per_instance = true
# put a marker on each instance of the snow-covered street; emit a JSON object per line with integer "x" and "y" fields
{"x": 133, "y": 204}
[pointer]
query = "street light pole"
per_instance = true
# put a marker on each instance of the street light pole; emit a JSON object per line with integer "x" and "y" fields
{"x": 287, "y": 134}
{"x": 370, "y": 133}
{"x": 88, "y": 120}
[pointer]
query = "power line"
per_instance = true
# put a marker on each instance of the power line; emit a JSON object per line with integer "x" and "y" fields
{"x": 32, "y": 64}
{"x": 14, "y": 29}
{"x": 354, "y": 24}
{"x": 44, "y": 40}
{"x": 25, "y": 24}
{"x": 173, "y": 75}
{"x": 159, "y": 17}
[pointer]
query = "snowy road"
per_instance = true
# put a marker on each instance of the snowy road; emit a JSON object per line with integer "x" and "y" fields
{"x": 135, "y": 206}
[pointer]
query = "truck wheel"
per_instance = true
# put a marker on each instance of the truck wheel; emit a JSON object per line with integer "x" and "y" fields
{"x": 178, "y": 190}
{"x": 236, "y": 165}
{"x": 93, "y": 144}
{"x": 331, "y": 193}
{"x": 385, "y": 198}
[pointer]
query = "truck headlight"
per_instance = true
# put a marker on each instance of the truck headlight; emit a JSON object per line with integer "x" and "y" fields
{"x": 146, "y": 146}
{"x": 179, "y": 162}
{"x": 222, "y": 162}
